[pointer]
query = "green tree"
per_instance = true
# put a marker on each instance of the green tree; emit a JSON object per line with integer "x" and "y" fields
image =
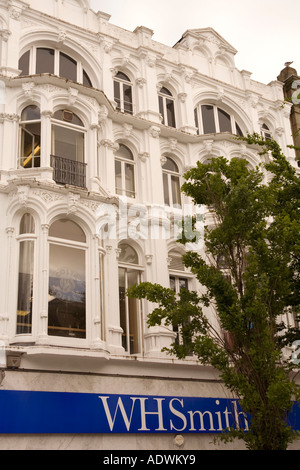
{"x": 255, "y": 234}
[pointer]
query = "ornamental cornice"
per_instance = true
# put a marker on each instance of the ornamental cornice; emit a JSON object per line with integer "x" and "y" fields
{"x": 9, "y": 117}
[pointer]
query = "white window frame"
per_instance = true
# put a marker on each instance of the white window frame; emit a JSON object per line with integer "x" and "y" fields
{"x": 200, "y": 127}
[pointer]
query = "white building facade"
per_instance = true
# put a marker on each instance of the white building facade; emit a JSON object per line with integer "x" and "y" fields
{"x": 97, "y": 128}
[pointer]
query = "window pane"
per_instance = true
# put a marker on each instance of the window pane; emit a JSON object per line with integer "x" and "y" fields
{"x": 170, "y": 165}
{"x": 118, "y": 176}
{"x": 122, "y": 76}
{"x": 127, "y": 90}
{"x": 68, "y": 143}
{"x": 134, "y": 327}
{"x": 238, "y": 129}
{"x": 196, "y": 120}
{"x": 128, "y": 254}
{"x": 122, "y": 304}
{"x": 25, "y": 290}
{"x": 67, "y": 292}
{"x": 224, "y": 121}
{"x": 176, "y": 190}
{"x": 68, "y": 116}
{"x": 30, "y": 145}
{"x": 117, "y": 95}
{"x": 129, "y": 180}
{"x": 209, "y": 126}
{"x": 31, "y": 113}
{"x": 27, "y": 224}
{"x": 86, "y": 79}
{"x": 161, "y": 108}
{"x": 124, "y": 152}
{"x": 44, "y": 60}
{"x": 171, "y": 113}
{"x": 24, "y": 63}
{"x": 68, "y": 230}
{"x": 166, "y": 189}
{"x": 67, "y": 67}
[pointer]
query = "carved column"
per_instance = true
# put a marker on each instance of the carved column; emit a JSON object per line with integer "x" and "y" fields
{"x": 42, "y": 328}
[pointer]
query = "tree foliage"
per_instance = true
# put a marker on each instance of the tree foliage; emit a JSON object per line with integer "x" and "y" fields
{"x": 255, "y": 234}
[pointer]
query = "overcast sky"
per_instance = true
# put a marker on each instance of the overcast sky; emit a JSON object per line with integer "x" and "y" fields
{"x": 266, "y": 33}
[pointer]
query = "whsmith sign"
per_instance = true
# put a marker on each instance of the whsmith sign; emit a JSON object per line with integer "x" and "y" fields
{"x": 24, "y": 412}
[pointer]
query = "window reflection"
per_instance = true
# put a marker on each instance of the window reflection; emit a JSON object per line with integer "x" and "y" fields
{"x": 67, "y": 283}
{"x": 30, "y": 127}
{"x": 167, "y": 107}
{"x": 130, "y": 320}
{"x": 124, "y": 172}
{"x": 171, "y": 183}
{"x": 44, "y": 60}
{"x": 123, "y": 93}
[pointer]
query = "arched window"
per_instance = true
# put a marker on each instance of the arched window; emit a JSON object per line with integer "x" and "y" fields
{"x": 210, "y": 119}
{"x": 130, "y": 311}
{"x": 26, "y": 275}
{"x": 52, "y": 61}
{"x": 123, "y": 93}
{"x": 67, "y": 280}
{"x": 167, "y": 107}
{"x": 68, "y": 142}
{"x": 171, "y": 183}
{"x": 265, "y": 132}
{"x": 124, "y": 172}
{"x": 30, "y": 127}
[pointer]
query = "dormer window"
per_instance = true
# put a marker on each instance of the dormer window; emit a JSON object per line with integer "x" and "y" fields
{"x": 51, "y": 61}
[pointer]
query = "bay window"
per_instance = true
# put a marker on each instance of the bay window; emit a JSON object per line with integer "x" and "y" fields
{"x": 43, "y": 60}
{"x": 210, "y": 119}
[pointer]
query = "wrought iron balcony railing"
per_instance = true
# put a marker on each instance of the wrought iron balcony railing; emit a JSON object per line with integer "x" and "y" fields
{"x": 68, "y": 171}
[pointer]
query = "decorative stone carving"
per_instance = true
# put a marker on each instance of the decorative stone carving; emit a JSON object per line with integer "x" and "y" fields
{"x": 155, "y": 132}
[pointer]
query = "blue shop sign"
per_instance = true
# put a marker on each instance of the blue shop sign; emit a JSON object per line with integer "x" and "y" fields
{"x": 26, "y": 412}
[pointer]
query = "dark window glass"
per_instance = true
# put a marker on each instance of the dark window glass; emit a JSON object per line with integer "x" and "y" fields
{"x": 171, "y": 165}
{"x": 25, "y": 288}
{"x": 127, "y": 90}
{"x": 67, "y": 67}
{"x": 161, "y": 108}
{"x": 117, "y": 94}
{"x": 122, "y": 76}
{"x": 31, "y": 113}
{"x": 224, "y": 121}
{"x": 44, "y": 60}
{"x": 165, "y": 91}
{"x": 209, "y": 126}
{"x": 238, "y": 129}
{"x": 170, "y": 113}
{"x": 68, "y": 116}
{"x": 27, "y": 224}
{"x": 86, "y": 79}
{"x": 68, "y": 230}
{"x": 196, "y": 120}
{"x": 67, "y": 292}
{"x": 68, "y": 143}
{"x": 24, "y": 63}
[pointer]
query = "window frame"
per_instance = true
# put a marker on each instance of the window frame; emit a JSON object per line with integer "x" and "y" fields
{"x": 121, "y": 83}
{"x": 25, "y": 238}
{"x": 167, "y": 179}
{"x": 139, "y": 271}
{"x": 168, "y": 116}
{"x": 200, "y": 122}
{"x": 22, "y": 129}
{"x": 123, "y": 191}
{"x": 76, "y": 245}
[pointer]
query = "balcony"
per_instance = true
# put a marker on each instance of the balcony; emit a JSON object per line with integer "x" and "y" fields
{"x": 66, "y": 171}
